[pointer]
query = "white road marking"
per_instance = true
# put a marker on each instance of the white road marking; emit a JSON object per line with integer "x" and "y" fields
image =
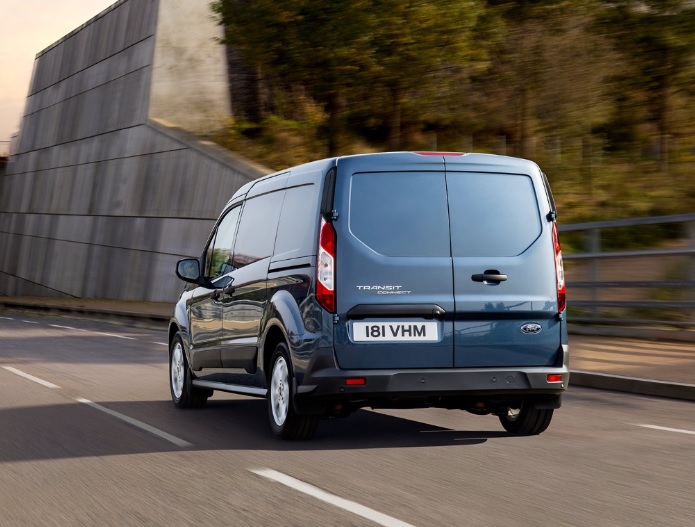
{"x": 67, "y": 327}
{"x": 161, "y": 343}
{"x": 29, "y": 322}
{"x": 31, "y": 377}
{"x": 332, "y": 499}
{"x": 139, "y": 424}
{"x": 95, "y": 332}
{"x": 667, "y": 429}
{"x": 112, "y": 335}
{"x": 7, "y": 318}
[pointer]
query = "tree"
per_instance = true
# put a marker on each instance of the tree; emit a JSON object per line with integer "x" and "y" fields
{"x": 320, "y": 46}
{"x": 335, "y": 49}
{"x": 656, "y": 37}
{"x": 416, "y": 42}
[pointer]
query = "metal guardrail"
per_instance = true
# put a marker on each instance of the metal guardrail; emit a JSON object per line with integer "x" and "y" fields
{"x": 600, "y": 308}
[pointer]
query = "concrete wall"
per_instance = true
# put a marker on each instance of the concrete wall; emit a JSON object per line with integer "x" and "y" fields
{"x": 100, "y": 198}
{"x": 190, "y": 84}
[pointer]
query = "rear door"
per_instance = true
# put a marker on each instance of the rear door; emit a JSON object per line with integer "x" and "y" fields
{"x": 394, "y": 285}
{"x": 504, "y": 274}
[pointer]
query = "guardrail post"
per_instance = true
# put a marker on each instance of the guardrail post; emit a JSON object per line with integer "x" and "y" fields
{"x": 594, "y": 268}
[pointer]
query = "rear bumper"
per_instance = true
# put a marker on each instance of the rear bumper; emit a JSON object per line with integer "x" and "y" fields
{"x": 324, "y": 386}
{"x": 445, "y": 382}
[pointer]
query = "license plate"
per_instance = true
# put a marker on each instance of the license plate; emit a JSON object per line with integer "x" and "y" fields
{"x": 395, "y": 332}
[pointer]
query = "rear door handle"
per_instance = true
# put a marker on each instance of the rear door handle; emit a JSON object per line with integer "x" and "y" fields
{"x": 491, "y": 275}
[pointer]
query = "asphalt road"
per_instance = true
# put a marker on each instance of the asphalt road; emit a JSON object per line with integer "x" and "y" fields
{"x": 89, "y": 436}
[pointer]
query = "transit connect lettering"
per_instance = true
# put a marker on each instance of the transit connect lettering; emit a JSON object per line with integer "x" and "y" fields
{"x": 384, "y": 289}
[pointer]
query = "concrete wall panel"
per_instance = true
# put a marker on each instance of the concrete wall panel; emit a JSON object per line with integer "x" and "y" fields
{"x": 101, "y": 199}
{"x": 189, "y": 76}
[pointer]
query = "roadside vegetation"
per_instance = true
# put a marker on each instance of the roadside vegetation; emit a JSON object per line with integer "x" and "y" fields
{"x": 600, "y": 93}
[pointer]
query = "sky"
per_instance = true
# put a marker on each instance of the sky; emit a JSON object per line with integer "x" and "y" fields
{"x": 26, "y": 28}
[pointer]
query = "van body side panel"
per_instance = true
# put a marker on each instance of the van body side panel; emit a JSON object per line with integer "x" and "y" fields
{"x": 393, "y": 264}
{"x": 242, "y": 312}
{"x": 205, "y": 329}
{"x": 498, "y": 226}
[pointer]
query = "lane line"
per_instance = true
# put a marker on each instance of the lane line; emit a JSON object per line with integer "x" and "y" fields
{"x": 332, "y": 499}
{"x": 31, "y": 378}
{"x": 67, "y": 327}
{"x": 94, "y": 332}
{"x": 667, "y": 429}
{"x": 112, "y": 335}
{"x": 139, "y": 424}
{"x": 29, "y": 322}
{"x": 161, "y": 343}
{"x": 7, "y": 318}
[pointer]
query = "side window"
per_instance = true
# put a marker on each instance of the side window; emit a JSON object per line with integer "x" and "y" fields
{"x": 218, "y": 255}
{"x": 257, "y": 228}
{"x": 298, "y": 223}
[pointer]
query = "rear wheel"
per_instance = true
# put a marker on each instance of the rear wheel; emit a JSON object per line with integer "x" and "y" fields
{"x": 526, "y": 420}
{"x": 284, "y": 421}
{"x": 183, "y": 393}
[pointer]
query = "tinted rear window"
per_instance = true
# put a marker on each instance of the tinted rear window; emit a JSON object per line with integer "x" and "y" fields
{"x": 400, "y": 213}
{"x": 256, "y": 235}
{"x": 298, "y": 223}
{"x": 492, "y": 214}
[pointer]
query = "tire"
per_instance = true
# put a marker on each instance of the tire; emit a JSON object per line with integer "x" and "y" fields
{"x": 284, "y": 421}
{"x": 526, "y": 421}
{"x": 183, "y": 393}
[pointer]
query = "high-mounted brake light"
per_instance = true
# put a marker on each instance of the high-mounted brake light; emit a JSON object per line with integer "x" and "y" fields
{"x": 325, "y": 283}
{"x": 440, "y": 153}
{"x": 559, "y": 272}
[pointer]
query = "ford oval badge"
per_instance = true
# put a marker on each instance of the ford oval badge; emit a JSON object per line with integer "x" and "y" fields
{"x": 531, "y": 328}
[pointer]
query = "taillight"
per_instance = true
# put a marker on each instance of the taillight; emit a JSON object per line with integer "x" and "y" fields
{"x": 325, "y": 283}
{"x": 559, "y": 272}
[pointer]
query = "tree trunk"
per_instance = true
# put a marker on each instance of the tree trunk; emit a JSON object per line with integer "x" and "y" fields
{"x": 333, "y": 107}
{"x": 394, "y": 136}
{"x": 663, "y": 123}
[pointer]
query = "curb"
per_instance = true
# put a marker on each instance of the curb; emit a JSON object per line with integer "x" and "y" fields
{"x": 675, "y": 335}
{"x": 634, "y": 385}
{"x": 101, "y": 313}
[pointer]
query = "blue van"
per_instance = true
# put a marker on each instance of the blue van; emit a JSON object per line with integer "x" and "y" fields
{"x": 390, "y": 280}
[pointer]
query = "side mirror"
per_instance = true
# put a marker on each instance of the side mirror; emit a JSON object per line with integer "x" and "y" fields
{"x": 188, "y": 270}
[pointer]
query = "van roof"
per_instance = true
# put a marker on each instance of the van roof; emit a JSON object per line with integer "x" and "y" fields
{"x": 473, "y": 161}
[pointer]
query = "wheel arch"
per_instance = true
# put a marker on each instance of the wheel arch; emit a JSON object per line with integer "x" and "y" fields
{"x": 284, "y": 324}
{"x": 175, "y": 328}
{"x": 273, "y": 336}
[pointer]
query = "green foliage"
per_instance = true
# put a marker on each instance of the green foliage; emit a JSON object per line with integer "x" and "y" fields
{"x": 598, "y": 92}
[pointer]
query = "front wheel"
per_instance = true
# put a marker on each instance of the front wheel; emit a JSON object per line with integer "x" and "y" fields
{"x": 526, "y": 420}
{"x": 183, "y": 393}
{"x": 284, "y": 421}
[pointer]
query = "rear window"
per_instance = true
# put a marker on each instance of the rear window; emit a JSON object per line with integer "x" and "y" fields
{"x": 492, "y": 214}
{"x": 400, "y": 213}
